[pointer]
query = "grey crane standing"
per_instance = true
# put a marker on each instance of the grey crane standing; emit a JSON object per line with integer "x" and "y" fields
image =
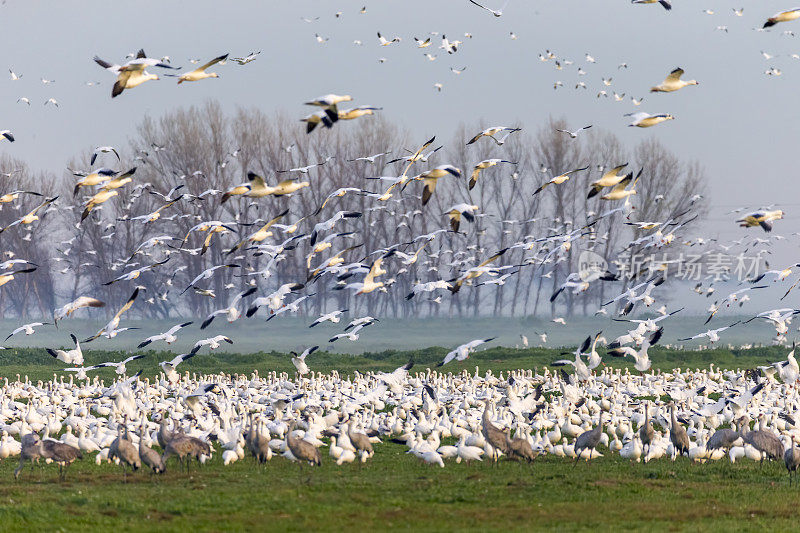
{"x": 360, "y": 441}
{"x": 646, "y": 433}
{"x": 302, "y": 449}
{"x": 588, "y": 440}
{"x": 495, "y": 436}
{"x": 766, "y": 442}
{"x": 124, "y": 450}
{"x": 30, "y": 452}
{"x": 61, "y": 454}
{"x": 186, "y": 447}
{"x": 726, "y": 437}
{"x": 677, "y": 434}
{"x": 791, "y": 458}
{"x": 148, "y": 456}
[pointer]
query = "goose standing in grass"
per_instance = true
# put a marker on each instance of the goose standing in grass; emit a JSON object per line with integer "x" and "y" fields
{"x": 200, "y": 72}
{"x": 673, "y": 82}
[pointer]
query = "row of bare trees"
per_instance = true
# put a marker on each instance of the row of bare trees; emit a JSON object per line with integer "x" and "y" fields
{"x": 205, "y": 151}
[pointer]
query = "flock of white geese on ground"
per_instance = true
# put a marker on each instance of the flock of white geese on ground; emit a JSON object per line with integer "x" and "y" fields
{"x": 705, "y": 415}
{"x": 143, "y": 423}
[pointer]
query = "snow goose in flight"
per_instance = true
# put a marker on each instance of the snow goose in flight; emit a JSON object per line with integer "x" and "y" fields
{"x": 431, "y": 177}
{"x": 495, "y": 12}
{"x": 200, "y": 72}
{"x": 231, "y": 312}
{"x": 357, "y": 112}
{"x": 252, "y": 56}
{"x": 712, "y": 334}
{"x": 574, "y": 134}
{"x": 664, "y": 3}
{"x": 462, "y": 352}
{"x": 169, "y": 366}
{"x": 168, "y": 336}
{"x": 457, "y": 211}
{"x": 30, "y": 217}
{"x": 673, "y": 82}
{"x": 558, "y": 180}
{"x": 329, "y": 102}
{"x": 121, "y": 368}
{"x": 8, "y": 135}
{"x": 783, "y": 16}
{"x": 71, "y": 357}
{"x": 384, "y": 42}
{"x": 103, "y": 150}
{"x": 110, "y": 329}
{"x": 646, "y": 120}
{"x": 641, "y": 359}
{"x": 299, "y": 361}
{"x": 132, "y": 73}
{"x": 608, "y": 179}
{"x": 71, "y": 307}
{"x": 27, "y": 328}
{"x": 491, "y": 132}
{"x": 486, "y": 163}
{"x": 212, "y": 342}
{"x": 760, "y": 218}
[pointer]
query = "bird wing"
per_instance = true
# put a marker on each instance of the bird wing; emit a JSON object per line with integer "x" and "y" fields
{"x": 675, "y": 75}
{"x": 212, "y": 62}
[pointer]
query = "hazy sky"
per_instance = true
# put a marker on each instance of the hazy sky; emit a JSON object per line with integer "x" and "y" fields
{"x": 741, "y": 123}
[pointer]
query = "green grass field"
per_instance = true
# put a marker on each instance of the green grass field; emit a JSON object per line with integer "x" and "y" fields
{"x": 393, "y": 489}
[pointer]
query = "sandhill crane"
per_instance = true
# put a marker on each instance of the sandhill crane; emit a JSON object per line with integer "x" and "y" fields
{"x": 677, "y": 434}
{"x": 29, "y": 452}
{"x": 148, "y": 456}
{"x": 725, "y": 437}
{"x": 766, "y": 442}
{"x": 301, "y": 449}
{"x": 360, "y": 442}
{"x": 185, "y": 447}
{"x": 521, "y": 448}
{"x": 646, "y": 433}
{"x": 123, "y": 449}
{"x": 791, "y": 458}
{"x": 589, "y": 440}
{"x": 496, "y": 437}
{"x": 61, "y": 454}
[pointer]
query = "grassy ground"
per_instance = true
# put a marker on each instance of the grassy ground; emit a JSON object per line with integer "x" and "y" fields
{"x": 394, "y": 489}
{"x": 36, "y": 364}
